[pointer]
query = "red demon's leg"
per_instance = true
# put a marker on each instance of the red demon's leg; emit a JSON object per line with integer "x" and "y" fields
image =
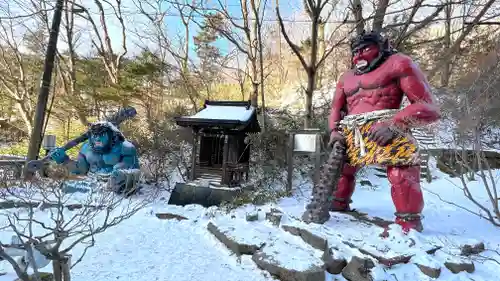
{"x": 345, "y": 188}
{"x": 407, "y": 196}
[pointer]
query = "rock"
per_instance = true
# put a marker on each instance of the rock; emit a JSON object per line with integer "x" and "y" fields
{"x": 429, "y": 271}
{"x": 457, "y": 267}
{"x": 333, "y": 265}
{"x": 272, "y": 249}
{"x": 43, "y": 276}
{"x": 358, "y": 269}
{"x": 366, "y": 183}
{"x": 292, "y": 229}
{"x": 253, "y": 216}
{"x": 469, "y": 250}
{"x": 238, "y": 246}
{"x": 169, "y": 216}
{"x": 310, "y": 238}
{"x": 433, "y": 250}
{"x": 274, "y": 216}
{"x": 276, "y": 264}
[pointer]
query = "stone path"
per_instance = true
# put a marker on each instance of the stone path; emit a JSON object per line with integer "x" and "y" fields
{"x": 294, "y": 251}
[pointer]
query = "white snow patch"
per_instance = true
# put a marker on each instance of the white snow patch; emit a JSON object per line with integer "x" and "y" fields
{"x": 145, "y": 248}
{"x": 284, "y": 249}
{"x": 222, "y": 112}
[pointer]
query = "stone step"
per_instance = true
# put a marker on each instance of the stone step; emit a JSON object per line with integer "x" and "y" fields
{"x": 294, "y": 251}
{"x": 273, "y": 250}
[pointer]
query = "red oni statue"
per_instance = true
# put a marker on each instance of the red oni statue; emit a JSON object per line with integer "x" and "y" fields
{"x": 367, "y": 121}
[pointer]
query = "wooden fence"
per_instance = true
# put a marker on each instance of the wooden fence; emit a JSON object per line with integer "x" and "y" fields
{"x": 11, "y": 167}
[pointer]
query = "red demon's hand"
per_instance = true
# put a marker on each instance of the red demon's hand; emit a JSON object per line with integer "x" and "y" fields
{"x": 334, "y": 137}
{"x": 382, "y": 133}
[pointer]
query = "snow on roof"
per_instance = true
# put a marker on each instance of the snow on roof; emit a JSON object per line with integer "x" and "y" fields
{"x": 225, "y": 112}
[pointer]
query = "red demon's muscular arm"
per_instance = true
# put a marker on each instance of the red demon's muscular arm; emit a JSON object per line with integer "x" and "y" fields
{"x": 423, "y": 109}
{"x": 338, "y": 103}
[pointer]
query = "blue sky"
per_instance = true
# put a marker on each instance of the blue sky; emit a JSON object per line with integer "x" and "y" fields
{"x": 173, "y": 23}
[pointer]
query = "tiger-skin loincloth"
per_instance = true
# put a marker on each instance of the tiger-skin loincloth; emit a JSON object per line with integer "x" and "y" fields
{"x": 401, "y": 151}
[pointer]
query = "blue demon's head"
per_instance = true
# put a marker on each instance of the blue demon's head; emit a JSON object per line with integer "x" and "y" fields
{"x": 103, "y": 136}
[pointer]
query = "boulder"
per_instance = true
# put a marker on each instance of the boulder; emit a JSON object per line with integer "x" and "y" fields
{"x": 252, "y": 216}
{"x": 309, "y": 237}
{"x": 230, "y": 237}
{"x": 333, "y": 264}
{"x": 358, "y": 269}
{"x": 170, "y": 216}
{"x": 469, "y": 250}
{"x": 290, "y": 262}
{"x": 457, "y": 267}
{"x": 274, "y": 217}
{"x": 429, "y": 271}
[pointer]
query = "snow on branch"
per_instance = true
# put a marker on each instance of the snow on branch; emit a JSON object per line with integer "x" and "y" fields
{"x": 48, "y": 222}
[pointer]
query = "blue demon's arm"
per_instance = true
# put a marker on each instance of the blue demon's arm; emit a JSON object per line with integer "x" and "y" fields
{"x": 80, "y": 166}
{"x": 129, "y": 157}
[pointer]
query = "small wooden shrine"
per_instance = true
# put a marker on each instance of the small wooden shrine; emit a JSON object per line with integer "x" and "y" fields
{"x": 220, "y": 147}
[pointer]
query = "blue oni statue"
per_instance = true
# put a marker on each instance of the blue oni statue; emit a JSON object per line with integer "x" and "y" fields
{"x": 106, "y": 152}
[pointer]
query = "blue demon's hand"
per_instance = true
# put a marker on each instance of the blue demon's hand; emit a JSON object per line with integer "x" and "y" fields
{"x": 117, "y": 181}
{"x": 58, "y": 155}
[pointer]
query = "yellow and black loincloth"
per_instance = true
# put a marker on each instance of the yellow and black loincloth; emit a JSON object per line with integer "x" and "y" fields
{"x": 401, "y": 151}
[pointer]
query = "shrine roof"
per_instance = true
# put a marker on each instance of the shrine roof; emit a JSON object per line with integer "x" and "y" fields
{"x": 235, "y": 115}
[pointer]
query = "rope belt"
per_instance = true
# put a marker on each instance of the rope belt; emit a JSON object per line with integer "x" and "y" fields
{"x": 354, "y": 122}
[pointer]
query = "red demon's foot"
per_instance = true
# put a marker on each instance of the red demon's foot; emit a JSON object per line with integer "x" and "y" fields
{"x": 409, "y": 222}
{"x": 335, "y": 208}
{"x": 339, "y": 205}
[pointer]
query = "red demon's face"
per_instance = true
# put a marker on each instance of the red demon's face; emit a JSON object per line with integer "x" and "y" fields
{"x": 362, "y": 57}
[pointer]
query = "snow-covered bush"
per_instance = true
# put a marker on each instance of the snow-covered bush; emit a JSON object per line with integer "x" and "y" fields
{"x": 48, "y": 222}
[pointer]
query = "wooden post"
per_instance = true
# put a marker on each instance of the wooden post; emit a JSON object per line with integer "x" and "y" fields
{"x": 194, "y": 153}
{"x": 225, "y": 154}
{"x": 44, "y": 91}
{"x": 291, "y": 142}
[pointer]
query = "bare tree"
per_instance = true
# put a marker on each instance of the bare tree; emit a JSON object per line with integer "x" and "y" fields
{"x": 67, "y": 63}
{"x": 478, "y": 17}
{"x": 70, "y": 223}
{"x": 474, "y": 120}
{"x": 18, "y": 74}
{"x": 257, "y": 7}
{"x": 315, "y": 9}
{"x": 241, "y": 32}
{"x": 176, "y": 56}
{"x": 101, "y": 40}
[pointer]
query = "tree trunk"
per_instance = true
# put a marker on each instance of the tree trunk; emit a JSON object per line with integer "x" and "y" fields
{"x": 26, "y": 119}
{"x": 311, "y": 81}
{"x": 61, "y": 269}
{"x": 357, "y": 10}
{"x": 378, "y": 18}
{"x": 261, "y": 66}
{"x": 450, "y": 54}
{"x": 312, "y": 71}
{"x": 321, "y": 53}
{"x": 445, "y": 75}
{"x": 82, "y": 117}
{"x": 43, "y": 95}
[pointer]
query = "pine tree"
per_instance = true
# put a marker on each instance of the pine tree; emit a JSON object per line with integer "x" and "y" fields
{"x": 208, "y": 54}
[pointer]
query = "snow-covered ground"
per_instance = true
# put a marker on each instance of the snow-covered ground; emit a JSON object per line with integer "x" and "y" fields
{"x": 145, "y": 248}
